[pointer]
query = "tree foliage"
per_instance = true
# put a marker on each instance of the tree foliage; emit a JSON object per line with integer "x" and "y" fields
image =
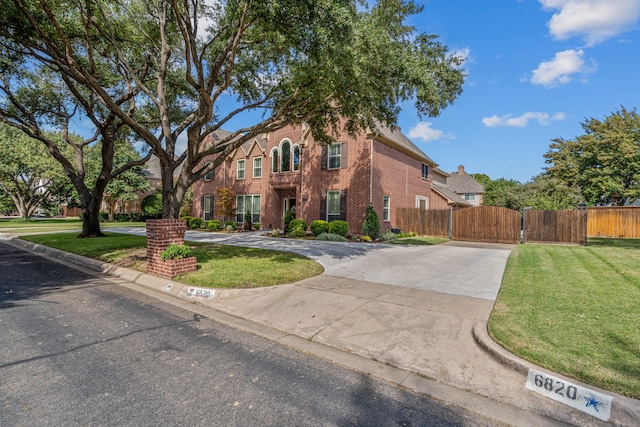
{"x": 166, "y": 68}
{"x": 604, "y": 162}
{"x": 29, "y": 177}
{"x": 496, "y": 192}
{"x": 543, "y": 193}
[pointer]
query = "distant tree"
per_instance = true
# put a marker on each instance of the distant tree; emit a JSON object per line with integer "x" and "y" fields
{"x": 604, "y": 163}
{"x": 29, "y": 177}
{"x": 152, "y": 205}
{"x": 6, "y": 204}
{"x": 187, "y": 203}
{"x": 128, "y": 185}
{"x": 496, "y": 192}
{"x": 481, "y": 178}
{"x": 543, "y": 193}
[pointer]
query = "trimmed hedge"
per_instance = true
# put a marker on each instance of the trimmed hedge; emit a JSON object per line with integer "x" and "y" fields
{"x": 339, "y": 227}
{"x": 319, "y": 226}
{"x": 213, "y": 225}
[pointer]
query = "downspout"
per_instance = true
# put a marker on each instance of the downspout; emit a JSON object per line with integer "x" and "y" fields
{"x": 371, "y": 171}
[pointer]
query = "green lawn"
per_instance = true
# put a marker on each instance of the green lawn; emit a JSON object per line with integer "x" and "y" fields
{"x": 575, "y": 310}
{"x": 418, "y": 240}
{"x": 44, "y": 225}
{"x": 219, "y": 266}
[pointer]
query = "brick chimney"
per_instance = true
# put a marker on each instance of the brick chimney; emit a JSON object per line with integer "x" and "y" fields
{"x": 461, "y": 170}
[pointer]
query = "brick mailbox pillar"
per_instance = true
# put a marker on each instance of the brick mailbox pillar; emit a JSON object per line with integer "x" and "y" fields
{"x": 160, "y": 234}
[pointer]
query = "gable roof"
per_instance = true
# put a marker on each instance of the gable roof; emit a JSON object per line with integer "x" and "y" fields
{"x": 464, "y": 183}
{"x": 451, "y": 197}
{"x": 397, "y": 139}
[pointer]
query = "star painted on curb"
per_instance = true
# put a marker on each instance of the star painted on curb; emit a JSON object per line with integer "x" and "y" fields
{"x": 592, "y": 401}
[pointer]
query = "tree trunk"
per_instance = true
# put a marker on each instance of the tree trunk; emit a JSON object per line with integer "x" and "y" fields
{"x": 91, "y": 217}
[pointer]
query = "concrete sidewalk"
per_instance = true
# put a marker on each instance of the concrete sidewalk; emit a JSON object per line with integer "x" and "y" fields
{"x": 439, "y": 336}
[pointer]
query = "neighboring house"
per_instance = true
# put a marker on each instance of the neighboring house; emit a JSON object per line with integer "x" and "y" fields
{"x": 287, "y": 170}
{"x": 465, "y": 186}
{"x": 447, "y": 198}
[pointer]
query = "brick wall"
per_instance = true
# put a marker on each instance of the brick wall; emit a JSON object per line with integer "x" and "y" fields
{"x": 160, "y": 234}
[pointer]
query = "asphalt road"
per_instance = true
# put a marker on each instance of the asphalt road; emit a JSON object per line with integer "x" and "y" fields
{"x": 82, "y": 350}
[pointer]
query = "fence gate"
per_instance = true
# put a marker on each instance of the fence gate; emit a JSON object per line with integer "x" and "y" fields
{"x": 487, "y": 224}
{"x": 569, "y": 227}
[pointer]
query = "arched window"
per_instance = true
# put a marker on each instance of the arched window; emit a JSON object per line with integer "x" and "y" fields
{"x": 285, "y": 161}
{"x": 296, "y": 157}
{"x": 274, "y": 160}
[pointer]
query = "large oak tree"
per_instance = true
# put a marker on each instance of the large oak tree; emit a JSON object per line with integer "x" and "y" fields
{"x": 196, "y": 67}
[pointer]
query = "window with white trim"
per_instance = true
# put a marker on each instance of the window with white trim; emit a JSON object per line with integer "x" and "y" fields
{"x": 296, "y": 157}
{"x": 240, "y": 172}
{"x": 386, "y": 208}
{"x": 425, "y": 171}
{"x": 470, "y": 196}
{"x": 285, "y": 161}
{"x": 335, "y": 151}
{"x": 422, "y": 203}
{"x": 257, "y": 167}
{"x": 274, "y": 160}
{"x": 333, "y": 205}
{"x": 248, "y": 202}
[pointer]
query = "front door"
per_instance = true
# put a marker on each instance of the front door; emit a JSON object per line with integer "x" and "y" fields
{"x": 290, "y": 204}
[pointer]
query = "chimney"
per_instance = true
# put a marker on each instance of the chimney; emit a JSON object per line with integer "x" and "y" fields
{"x": 460, "y": 170}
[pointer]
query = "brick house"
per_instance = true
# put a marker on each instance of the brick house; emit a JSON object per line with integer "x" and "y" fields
{"x": 286, "y": 169}
{"x": 465, "y": 185}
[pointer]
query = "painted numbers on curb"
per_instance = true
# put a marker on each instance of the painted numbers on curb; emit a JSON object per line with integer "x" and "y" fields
{"x": 201, "y": 293}
{"x": 578, "y": 397}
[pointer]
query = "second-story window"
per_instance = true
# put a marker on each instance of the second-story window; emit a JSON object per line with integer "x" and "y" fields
{"x": 240, "y": 173}
{"x": 274, "y": 160}
{"x": 334, "y": 156}
{"x": 285, "y": 161}
{"x": 257, "y": 167}
{"x": 425, "y": 171}
{"x": 209, "y": 175}
{"x": 296, "y": 158}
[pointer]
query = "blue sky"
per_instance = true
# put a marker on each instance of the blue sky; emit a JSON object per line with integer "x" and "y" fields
{"x": 536, "y": 69}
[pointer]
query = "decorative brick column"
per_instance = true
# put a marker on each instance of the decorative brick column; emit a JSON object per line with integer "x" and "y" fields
{"x": 160, "y": 234}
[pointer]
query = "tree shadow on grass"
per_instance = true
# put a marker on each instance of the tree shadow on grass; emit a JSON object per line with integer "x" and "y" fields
{"x": 614, "y": 243}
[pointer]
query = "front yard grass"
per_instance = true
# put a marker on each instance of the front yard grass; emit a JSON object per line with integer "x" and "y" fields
{"x": 418, "y": 240}
{"x": 219, "y": 266}
{"x": 575, "y": 310}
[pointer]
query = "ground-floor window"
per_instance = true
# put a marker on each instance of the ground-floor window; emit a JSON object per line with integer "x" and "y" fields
{"x": 422, "y": 202}
{"x": 385, "y": 208}
{"x": 207, "y": 207}
{"x": 249, "y": 202}
{"x": 333, "y": 205}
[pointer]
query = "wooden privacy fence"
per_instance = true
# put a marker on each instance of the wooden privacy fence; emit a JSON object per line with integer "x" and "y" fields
{"x": 426, "y": 222}
{"x": 615, "y": 221}
{"x": 555, "y": 227}
{"x": 486, "y": 224}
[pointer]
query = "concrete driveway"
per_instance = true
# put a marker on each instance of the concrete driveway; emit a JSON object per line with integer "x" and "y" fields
{"x": 456, "y": 268}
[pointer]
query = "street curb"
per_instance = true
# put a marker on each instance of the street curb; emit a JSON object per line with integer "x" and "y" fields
{"x": 624, "y": 411}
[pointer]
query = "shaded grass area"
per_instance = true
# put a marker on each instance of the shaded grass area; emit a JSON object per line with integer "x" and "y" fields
{"x": 43, "y": 225}
{"x": 575, "y": 310}
{"x": 219, "y": 266}
{"x": 418, "y": 240}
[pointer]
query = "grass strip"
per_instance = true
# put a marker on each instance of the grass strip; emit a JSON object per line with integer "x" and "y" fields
{"x": 574, "y": 310}
{"x": 219, "y": 266}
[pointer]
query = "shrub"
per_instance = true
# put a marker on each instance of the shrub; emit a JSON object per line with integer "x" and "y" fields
{"x": 319, "y": 226}
{"x": 230, "y": 228}
{"x": 175, "y": 252}
{"x": 256, "y": 226}
{"x": 388, "y": 235}
{"x": 288, "y": 217}
{"x": 275, "y": 233}
{"x": 247, "y": 220}
{"x": 135, "y": 216}
{"x": 371, "y": 225}
{"x": 366, "y": 238}
{"x": 232, "y": 224}
{"x": 330, "y": 237}
{"x": 102, "y": 216}
{"x": 193, "y": 222}
{"x": 213, "y": 225}
{"x": 297, "y": 231}
{"x": 339, "y": 227}
{"x": 152, "y": 205}
{"x": 121, "y": 217}
{"x": 409, "y": 234}
{"x": 298, "y": 223}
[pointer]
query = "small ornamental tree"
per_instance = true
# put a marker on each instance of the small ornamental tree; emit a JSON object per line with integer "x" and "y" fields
{"x": 225, "y": 203}
{"x": 371, "y": 225}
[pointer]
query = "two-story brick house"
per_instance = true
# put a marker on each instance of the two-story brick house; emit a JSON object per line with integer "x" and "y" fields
{"x": 287, "y": 169}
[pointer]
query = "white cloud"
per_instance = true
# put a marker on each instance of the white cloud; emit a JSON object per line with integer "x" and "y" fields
{"x": 560, "y": 69}
{"x": 521, "y": 121}
{"x": 424, "y": 132}
{"x": 593, "y": 20}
